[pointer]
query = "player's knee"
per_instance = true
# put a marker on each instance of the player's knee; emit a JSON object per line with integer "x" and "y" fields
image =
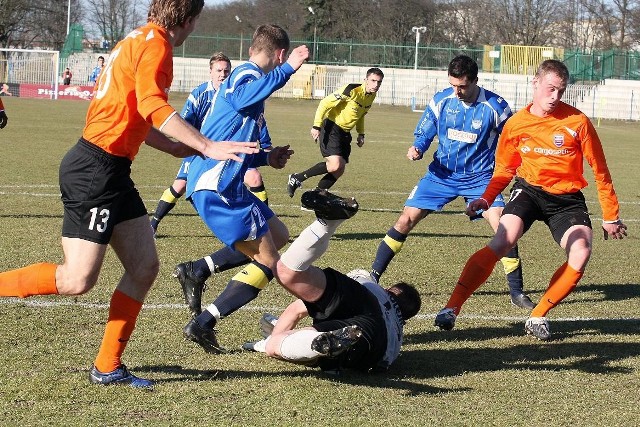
{"x": 75, "y": 283}
{"x": 144, "y": 272}
{"x": 284, "y": 274}
{"x": 579, "y": 255}
{"x": 148, "y": 272}
{"x": 405, "y": 224}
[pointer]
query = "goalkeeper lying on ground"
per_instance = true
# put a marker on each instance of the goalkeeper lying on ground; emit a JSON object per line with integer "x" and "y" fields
{"x": 357, "y": 323}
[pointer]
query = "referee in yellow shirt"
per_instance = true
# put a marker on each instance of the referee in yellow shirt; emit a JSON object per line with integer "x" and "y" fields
{"x": 336, "y": 115}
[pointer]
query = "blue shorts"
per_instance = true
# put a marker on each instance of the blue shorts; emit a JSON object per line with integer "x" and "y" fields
{"x": 184, "y": 168}
{"x": 232, "y": 221}
{"x": 433, "y": 192}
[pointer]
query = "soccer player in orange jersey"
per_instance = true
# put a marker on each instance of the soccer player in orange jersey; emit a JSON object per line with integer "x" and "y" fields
{"x": 101, "y": 204}
{"x": 3, "y": 116}
{"x": 543, "y": 146}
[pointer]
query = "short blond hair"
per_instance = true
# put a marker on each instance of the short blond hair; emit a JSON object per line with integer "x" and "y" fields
{"x": 217, "y": 57}
{"x": 553, "y": 66}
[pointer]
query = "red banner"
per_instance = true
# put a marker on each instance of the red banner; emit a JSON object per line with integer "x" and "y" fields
{"x": 64, "y": 92}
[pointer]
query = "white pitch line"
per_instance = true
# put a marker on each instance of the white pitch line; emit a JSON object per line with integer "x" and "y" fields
{"x": 428, "y": 316}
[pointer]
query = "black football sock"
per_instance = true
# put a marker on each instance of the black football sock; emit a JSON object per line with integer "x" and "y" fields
{"x": 387, "y": 249}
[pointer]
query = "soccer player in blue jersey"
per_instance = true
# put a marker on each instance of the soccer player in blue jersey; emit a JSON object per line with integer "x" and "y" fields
{"x": 95, "y": 73}
{"x": 194, "y": 109}
{"x": 467, "y": 119}
{"x": 216, "y": 190}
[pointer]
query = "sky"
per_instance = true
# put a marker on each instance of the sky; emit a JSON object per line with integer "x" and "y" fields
{"x": 216, "y": 2}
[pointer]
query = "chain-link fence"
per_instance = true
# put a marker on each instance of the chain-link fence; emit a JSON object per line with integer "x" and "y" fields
{"x": 584, "y": 66}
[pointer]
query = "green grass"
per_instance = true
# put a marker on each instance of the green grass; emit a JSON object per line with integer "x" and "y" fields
{"x": 485, "y": 372}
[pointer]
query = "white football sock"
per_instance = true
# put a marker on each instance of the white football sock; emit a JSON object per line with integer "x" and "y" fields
{"x": 312, "y": 242}
{"x": 297, "y": 346}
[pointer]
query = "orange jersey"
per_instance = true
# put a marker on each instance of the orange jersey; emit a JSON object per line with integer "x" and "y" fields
{"x": 131, "y": 92}
{"x": 549, "y": 153}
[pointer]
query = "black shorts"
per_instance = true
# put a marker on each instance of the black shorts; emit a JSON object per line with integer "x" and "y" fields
{"x": 334, "y": 141}
{"x": 346, "y": 302}
{"x": 97, "y": 193}
{"x": 559, "y": 211}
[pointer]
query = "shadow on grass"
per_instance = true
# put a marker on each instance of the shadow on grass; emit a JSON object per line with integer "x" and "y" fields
{"x": 414, "y": 366}
{"x": 380, "y": 236}
{"x": 30, "y": 215}
{"x": 380, "y": 380}
{"x": 592, "y": 356}
{"x": 560, "y": 329}
{"x": 609, "y": 292}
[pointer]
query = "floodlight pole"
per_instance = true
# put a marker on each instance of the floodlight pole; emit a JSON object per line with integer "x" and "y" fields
{"x": 68, "y": 16}
{"x": 241, "y": 35}
{"x": 417, "y": 30}
{"x": 315, "y": 29}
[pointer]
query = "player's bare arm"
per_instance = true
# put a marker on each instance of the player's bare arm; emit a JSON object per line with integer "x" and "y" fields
{"x": 315, "y": 134}
{"x": 160, "y": 141}
{"x": 360, "y": 140}
{"x": 179, "y": 129}
{"x": 290, "y": 317}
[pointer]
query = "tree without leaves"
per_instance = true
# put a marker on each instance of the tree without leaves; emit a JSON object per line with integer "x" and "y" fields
{"x": 524, "y": 22}
{"x": 35, "y": 23}
{"x": 114, "y": 19}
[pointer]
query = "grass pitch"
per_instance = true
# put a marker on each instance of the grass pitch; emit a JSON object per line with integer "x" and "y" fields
{"x": 484, "y": 372}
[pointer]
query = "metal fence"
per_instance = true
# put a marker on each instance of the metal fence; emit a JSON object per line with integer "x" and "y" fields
{"x": 601, "y": 65}
{"x": 509, "y": 59}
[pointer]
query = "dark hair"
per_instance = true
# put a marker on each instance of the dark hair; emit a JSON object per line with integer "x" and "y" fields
{"x": 172, "y": 13}
{"x": 407, "y": 297}
{"x": 217, "y": 57}
{"x": 101, "y": 57}
{"x": 463, "y": 66}
{"x": 376, "y": 71}
{"x": 553, "y": 66}
{"x": 270, "y": 38}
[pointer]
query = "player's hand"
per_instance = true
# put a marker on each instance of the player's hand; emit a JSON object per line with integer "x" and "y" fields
{"x": 315, "y": 134}
{"x": 226, "y": 150}
{"x": 279, "y": 156}
{"x": 414, "y": 153}
{"x": 298, "y": 56}
{"x": 3, "y": 119}
{"x": 475, "y": 206}
{"x": 360, "y": 140}
{"x": 615, "y": 230}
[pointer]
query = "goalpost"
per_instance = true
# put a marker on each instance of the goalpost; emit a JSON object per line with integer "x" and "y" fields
{"x": 30, "y": 73}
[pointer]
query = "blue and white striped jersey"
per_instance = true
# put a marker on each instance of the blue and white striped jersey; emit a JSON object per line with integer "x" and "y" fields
{"x": 199, "y": 102}
{"x": 236, "y": 114}
{"x": 467, "y": 133}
